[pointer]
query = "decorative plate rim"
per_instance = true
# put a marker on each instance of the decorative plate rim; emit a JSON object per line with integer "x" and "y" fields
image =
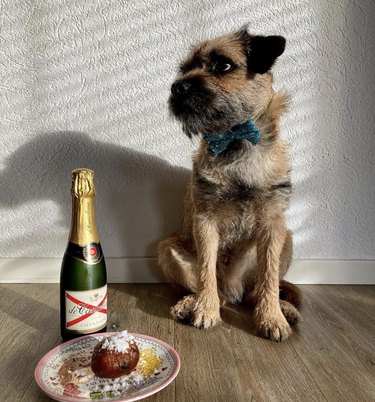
{"x": 42, "y": 362}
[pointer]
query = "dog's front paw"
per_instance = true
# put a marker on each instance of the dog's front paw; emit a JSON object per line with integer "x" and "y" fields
{"x": 206, "y": 315}
{"x": 273, "y": 326}
{"x": 183, "y": 310}
{"x": 206, "y": 319}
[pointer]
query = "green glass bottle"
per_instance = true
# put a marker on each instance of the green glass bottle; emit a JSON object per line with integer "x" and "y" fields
{"x": 83, "y": 279}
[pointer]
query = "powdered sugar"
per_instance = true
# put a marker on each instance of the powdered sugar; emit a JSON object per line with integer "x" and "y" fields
{"x": 114, "y": 387}
{"x": 118, "y": 342}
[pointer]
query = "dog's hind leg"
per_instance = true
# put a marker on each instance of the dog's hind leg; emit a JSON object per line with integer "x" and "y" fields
{"x": 290, "y": 293}
{"x": 290, "y": 312}
{"x": 177, "y": 263}
{"x": 180, "y": 269}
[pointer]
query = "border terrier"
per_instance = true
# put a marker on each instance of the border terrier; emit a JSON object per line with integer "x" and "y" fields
{"x": 234, "y": 245}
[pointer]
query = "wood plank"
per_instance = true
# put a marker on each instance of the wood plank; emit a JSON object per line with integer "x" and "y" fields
{"x": 356, "y": 310}
{"x": 207, "y": 366}
{"x": 231, "y": 363}
{"x": 29, "y": 329}
{"x": 331, "y": 356}
{"x": 33, "y": 393}
{"x": 275, "y": 369}
{"x": 331, "y": 349}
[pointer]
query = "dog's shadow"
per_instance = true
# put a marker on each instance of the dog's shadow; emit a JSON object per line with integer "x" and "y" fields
{"x": 239, "y": 316}
{"x": 157, "y": 301}
{"x": 139, "y": 196}
{"x": 154, "y": 300}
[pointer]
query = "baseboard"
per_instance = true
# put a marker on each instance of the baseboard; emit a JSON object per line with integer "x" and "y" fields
{"x": 332, "y": 272}
{"x": 47, "y": 270}
{"x": 145, "y": 270}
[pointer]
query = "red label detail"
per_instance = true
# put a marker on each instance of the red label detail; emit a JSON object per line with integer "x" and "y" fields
{"x": 93, "y": 309}
{"x": 93, "y": 251}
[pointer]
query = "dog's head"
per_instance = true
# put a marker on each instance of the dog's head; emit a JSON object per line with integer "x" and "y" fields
{"x": 224, "y": 81}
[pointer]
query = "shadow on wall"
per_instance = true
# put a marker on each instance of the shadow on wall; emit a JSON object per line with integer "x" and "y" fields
{"x": 139, "y": 197}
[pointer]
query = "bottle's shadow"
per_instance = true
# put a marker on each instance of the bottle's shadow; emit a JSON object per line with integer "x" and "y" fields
{"x": 139, "y": 196}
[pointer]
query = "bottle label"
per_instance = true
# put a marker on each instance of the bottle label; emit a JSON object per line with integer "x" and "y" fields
{"x": 89, "y": 254}
{"x": 86, "y": 311}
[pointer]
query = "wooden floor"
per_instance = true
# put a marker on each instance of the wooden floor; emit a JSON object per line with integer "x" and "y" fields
{"x": 330, "y": 357}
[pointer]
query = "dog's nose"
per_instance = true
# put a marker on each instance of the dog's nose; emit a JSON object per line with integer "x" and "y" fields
{"x": 181, "y": 88}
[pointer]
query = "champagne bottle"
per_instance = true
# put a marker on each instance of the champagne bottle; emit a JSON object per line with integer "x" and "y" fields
{"x": 83, "y": 280}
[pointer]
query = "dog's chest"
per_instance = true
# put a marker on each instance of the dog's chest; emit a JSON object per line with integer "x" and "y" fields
{"x": 241, "y": 182}
{"x": 232, "y": 204}
{"x": 235, "y": 193}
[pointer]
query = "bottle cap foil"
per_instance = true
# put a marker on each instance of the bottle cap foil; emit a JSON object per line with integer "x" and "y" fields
{"x": 83, "y": 183}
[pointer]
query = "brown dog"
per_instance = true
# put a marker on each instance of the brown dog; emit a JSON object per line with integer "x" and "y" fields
{"x": 234, "y": 244}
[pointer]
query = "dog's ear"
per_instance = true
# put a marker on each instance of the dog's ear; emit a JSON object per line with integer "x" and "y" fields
{"x": 262, "y": 51}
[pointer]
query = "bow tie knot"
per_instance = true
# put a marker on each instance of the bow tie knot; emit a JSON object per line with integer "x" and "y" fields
{"x": 218, "y": 143}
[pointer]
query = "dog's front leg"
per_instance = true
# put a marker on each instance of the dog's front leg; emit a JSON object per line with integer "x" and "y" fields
{"x": 206, "y": 312}
{"x": 269, "y": 318}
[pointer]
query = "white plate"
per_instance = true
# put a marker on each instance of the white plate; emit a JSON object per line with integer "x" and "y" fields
{"x": 46, "y": 372}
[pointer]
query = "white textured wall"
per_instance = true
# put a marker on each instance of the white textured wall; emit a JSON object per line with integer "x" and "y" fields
{"x": 85, "y": 83}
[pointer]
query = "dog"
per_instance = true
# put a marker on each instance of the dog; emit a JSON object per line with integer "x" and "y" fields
{"x": 234, "y": 245}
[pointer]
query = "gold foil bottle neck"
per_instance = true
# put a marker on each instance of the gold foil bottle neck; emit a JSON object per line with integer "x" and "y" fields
{"x": 83, "y": 228}
{"x": 83, "y": 183}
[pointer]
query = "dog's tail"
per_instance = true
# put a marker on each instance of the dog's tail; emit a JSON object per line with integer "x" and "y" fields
{"x": 290, "y": 293}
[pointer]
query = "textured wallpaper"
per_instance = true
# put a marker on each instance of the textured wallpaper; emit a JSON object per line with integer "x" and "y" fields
{"x": 85, "y": 83}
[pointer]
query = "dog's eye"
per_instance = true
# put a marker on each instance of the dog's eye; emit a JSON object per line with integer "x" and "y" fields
{"x": 223, "y": 67}
{"x": 227, "y": 67}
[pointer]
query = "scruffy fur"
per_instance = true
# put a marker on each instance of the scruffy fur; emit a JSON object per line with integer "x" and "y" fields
{"x": 234, "y": 245}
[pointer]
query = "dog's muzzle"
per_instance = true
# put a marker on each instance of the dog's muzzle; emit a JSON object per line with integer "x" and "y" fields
{"x": 189, "y": 96}
{"x": 181, "y": 88}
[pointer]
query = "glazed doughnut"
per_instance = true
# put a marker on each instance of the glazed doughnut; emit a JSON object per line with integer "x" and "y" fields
{"x": 115, "y": 356}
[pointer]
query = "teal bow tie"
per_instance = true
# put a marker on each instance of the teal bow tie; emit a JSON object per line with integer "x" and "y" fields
{"x": 218, "y": 143}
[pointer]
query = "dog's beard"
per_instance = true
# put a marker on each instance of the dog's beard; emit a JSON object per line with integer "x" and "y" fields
{"x": 219, "y": 116}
